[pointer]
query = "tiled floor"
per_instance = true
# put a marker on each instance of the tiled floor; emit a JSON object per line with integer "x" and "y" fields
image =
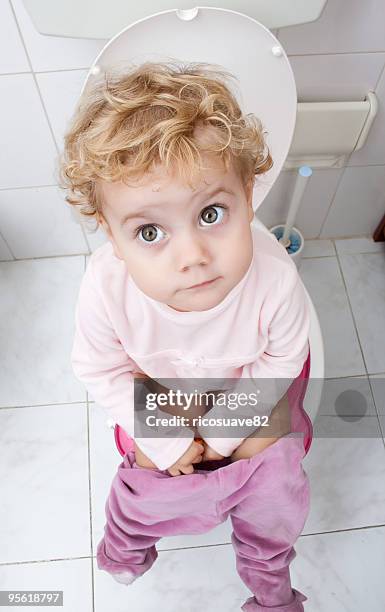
{"x": 58, "y": 457}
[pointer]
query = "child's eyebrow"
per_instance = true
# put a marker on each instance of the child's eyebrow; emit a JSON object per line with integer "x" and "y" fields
{"x": 144, "y": 212}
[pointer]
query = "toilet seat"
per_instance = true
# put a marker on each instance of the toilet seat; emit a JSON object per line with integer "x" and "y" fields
{"x": 264, "y": 84}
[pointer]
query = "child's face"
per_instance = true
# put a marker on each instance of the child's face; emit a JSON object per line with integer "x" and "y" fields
{"x": 190, "y": 237}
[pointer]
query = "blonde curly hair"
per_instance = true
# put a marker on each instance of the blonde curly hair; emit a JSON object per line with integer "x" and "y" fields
{"x": 127, "y": 123}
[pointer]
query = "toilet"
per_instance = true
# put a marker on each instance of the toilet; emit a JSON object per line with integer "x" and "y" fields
{"x": 264, "y": 86}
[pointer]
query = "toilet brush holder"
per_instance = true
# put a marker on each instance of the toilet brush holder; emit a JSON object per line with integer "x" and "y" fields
{"x": 297, "y": 241}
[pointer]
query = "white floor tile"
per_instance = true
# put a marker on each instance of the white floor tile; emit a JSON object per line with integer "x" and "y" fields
{"x": 322, "y": 278}
{"x": 341, "y": 572}
{"x": 338, "y": 572}
{"x": 44, "y": 463}
{"x": 36, "y": 326}
{"x": 37, "y": 222}
{"x": 365, "y": 283}
{"x": 365, "y": 244}
{"x": 346, "y": 468}
{"x": 72, "y": 576}
{"x": 44, "y": 512}
{"x": 346, "y": 397}
{"x": 192, "y": 580}
{"x": 318, "y": 248}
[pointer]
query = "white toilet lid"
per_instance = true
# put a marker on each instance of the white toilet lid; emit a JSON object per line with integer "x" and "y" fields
{"x": 233, "y": 41}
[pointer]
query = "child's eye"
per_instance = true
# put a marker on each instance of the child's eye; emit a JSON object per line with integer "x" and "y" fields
{"x": 209, "y": 216}
{"x": 148, "y": 233}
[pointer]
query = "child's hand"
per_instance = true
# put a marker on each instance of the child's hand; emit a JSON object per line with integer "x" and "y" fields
{"x": 184, "y": 464}
{"x": 279, "y": 425}
{"x": 141, "y": 459}
{"x": 210, "y": 454}
{"x": 250, "y": 447}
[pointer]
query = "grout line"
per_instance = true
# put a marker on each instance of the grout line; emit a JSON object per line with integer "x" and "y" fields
{"x": 90, "y": 506}
{"x": 28, "y": 187}
{"x": 45, "y": 560}
{"x": 46, "y": 71}
{"x": 33, "y": 73}
{"x": 325, "y": 53}
{"x": 379, "y": 52}
{"x": 20, "y": 407}
{"x": 379, "y": 78}
{"x": 359, "y": 342}
{"x": 8, "y": 247}
{"x": 303, "y": 535}
{"x": 363, "y": 528}
{"x": 334, "y": 378}
{"x": 354, "y": 237}
{"x": 44, "y": 257}
{"x": 292, "y": 170}
{"x": 350, "y": 306}
{"x": 332, "y": 199}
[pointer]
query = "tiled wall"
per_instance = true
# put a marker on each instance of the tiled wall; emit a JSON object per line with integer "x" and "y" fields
{"x": 339, "y": 57}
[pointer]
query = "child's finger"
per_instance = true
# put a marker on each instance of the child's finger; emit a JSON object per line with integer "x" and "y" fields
{"x": 197, "y": 459}
{"x": 187, "y": 469}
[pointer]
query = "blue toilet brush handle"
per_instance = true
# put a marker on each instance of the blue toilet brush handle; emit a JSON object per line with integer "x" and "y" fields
{"x": 304, "y": 173}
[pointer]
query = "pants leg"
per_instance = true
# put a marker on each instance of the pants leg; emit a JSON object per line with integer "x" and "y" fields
{"x": 267, "y": 498}
{"x": 127, "y": 545}
{"x": 146, "y": 504}
{"x": 266, "y": 523}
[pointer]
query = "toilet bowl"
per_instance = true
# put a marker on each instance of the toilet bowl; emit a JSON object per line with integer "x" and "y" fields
{"x": 313, "y": 393}
{"x": 264, "y": 85}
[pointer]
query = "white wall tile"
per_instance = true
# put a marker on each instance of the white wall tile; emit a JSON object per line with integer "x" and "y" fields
{"x": 60, "y": 92}
{"x": 350, "y": 57}
{"x": 359, "y": 203}
{"x": 12, "y": 54}
{"x": 54, "y": 52}
{"x": 27, "y": 153}
{"x": 96, "y": 239}
{"x": 314, "y": 205}
{"x": 37, "y": 222}
{"x": 323, "y": 78}
{"x": 344, "y": 26}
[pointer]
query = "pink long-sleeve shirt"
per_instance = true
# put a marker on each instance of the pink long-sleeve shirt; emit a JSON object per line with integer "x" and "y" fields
{"x": 259, "y": 330}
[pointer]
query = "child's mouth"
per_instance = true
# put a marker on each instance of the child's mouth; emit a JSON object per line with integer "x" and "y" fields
{"x": 202, "y": 285}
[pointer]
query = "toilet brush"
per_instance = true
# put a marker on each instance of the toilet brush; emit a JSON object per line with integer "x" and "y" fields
{"x": 288, "y": 235}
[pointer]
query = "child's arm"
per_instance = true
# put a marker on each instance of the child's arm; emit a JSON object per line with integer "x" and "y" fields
{"x": 101, "y": 363}
{"x": 193, "y": 454}
{"x": 276, "y": 368}
{"x": 279, "y": 425}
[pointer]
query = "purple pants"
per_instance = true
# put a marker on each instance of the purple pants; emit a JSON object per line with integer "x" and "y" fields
{"x": 266, "y": 496}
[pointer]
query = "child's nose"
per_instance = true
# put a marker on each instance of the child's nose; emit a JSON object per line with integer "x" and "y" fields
{"x": 192, "y": 251}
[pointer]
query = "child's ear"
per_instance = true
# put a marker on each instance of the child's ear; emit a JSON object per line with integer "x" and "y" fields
{"x": 107, "y": 230}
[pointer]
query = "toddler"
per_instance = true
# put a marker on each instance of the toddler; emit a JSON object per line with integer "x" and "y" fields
{"x": 187, "y": 288}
